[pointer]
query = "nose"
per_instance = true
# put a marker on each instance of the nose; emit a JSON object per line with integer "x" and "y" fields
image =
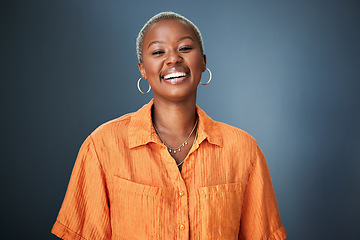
{"x": 173, "y": 57}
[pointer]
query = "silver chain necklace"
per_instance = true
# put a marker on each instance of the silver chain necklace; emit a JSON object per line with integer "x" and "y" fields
{"x": 177, "y": 149}
{"x": 196, "y": 134}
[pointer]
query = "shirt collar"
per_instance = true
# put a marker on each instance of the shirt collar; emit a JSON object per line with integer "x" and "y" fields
{"x": 141, "y": 130}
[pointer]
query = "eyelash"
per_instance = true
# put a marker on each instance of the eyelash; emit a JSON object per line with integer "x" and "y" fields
{"x": 185, "y": 48}
{"x": 181, "y": 49}
{"x": 158, "y": 52}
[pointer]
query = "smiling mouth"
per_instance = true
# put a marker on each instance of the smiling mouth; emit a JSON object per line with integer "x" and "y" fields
{"x": 174, "y": 75}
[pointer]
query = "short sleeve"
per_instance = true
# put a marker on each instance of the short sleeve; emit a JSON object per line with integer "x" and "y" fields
{"x": 260, "y": 214}
{"x": 84, "y": 213}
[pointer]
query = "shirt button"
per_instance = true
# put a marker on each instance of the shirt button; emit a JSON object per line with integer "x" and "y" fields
{"x": 182, "y": 227}
{"x": 181, "y": 193}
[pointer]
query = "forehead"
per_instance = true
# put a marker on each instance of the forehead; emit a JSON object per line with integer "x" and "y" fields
{"x": 168, "y": 28}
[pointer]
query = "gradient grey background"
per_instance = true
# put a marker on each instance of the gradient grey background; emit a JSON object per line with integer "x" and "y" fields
{"x": 285, "y": 71}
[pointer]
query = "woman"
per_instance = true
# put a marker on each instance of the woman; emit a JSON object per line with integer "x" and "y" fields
{"x": 168, "y": 171}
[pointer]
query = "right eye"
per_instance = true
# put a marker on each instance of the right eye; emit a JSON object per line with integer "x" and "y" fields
{"x": 158, "y": 52}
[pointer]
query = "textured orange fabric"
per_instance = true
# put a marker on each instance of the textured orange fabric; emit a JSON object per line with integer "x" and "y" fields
{"x": 125, "y": 185}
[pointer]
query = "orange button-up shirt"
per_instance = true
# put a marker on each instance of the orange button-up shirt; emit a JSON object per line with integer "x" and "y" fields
{"x": 126, "y": 185}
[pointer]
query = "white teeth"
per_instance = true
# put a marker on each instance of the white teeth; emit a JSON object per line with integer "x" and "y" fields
{"x": 175, "y": 75}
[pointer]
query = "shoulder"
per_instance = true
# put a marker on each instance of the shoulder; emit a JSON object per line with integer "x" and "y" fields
{"x": 239, "y": 143}
{"x": 142, "y": 117}
{"x": 224, "y": 131}
{"x": 122, "y": 121}
{"x": 113, "y": 128}
{"x": 226, "y": 135}
{"x": 231, "y": 134}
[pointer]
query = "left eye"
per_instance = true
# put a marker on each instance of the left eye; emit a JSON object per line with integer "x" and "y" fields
{"x": 185, "y": 48}
{"x": 158, "y": 52}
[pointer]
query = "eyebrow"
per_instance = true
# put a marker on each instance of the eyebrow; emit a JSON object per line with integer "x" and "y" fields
{"x": 179, "y": 40}
{"x": 186, "y": 37}
{"x": 154, "y": 42}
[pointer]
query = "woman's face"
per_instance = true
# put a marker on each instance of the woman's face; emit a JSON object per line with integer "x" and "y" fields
{"x": 172, "y": 60}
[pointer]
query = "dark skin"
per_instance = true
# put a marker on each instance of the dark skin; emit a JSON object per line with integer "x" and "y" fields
{"x": 173, "y": 64}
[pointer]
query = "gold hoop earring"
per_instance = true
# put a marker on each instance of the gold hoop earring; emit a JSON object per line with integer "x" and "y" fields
{"x": 138, "y": 86}
{"x": 209, "y": 78}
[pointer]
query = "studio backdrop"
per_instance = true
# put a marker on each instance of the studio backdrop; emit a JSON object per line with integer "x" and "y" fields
{"x": 287, "y": 72}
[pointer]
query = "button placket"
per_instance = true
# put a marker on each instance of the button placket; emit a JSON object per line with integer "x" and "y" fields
{"x": 183, "y": 220}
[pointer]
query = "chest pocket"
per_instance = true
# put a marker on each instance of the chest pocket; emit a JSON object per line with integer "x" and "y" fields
{"x": 135, "y": 210}
{"x": 219, "y": 211}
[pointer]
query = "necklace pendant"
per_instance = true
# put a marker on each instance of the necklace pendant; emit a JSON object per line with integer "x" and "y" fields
{"x": 173, "y": 150}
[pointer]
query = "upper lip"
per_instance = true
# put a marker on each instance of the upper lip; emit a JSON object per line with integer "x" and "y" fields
{"x": 174, "y": 70}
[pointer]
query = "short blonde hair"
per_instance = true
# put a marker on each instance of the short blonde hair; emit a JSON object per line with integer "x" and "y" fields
{"x": 158, "y": 17}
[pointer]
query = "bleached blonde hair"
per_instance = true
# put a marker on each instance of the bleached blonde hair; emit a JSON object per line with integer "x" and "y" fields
{"x": 158, "y": 17}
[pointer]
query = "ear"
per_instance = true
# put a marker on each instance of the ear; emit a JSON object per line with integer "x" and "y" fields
{"x": 142, "y": 70}
{"x": 204, "y": 63}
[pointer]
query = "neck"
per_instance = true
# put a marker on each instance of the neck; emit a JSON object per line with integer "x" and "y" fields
{"x": 174, "y": 118}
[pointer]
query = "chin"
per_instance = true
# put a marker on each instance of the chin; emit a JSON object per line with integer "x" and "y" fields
{"x": 179, "y": 96}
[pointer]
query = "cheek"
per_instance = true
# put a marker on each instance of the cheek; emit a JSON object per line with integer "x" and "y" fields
{"x": 199, "y": 58}
{"x": 151, "y": 67}
{"x": 197, "y": 63}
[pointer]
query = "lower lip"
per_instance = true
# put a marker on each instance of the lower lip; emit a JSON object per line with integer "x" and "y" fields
{"x": 175, "y": 80}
